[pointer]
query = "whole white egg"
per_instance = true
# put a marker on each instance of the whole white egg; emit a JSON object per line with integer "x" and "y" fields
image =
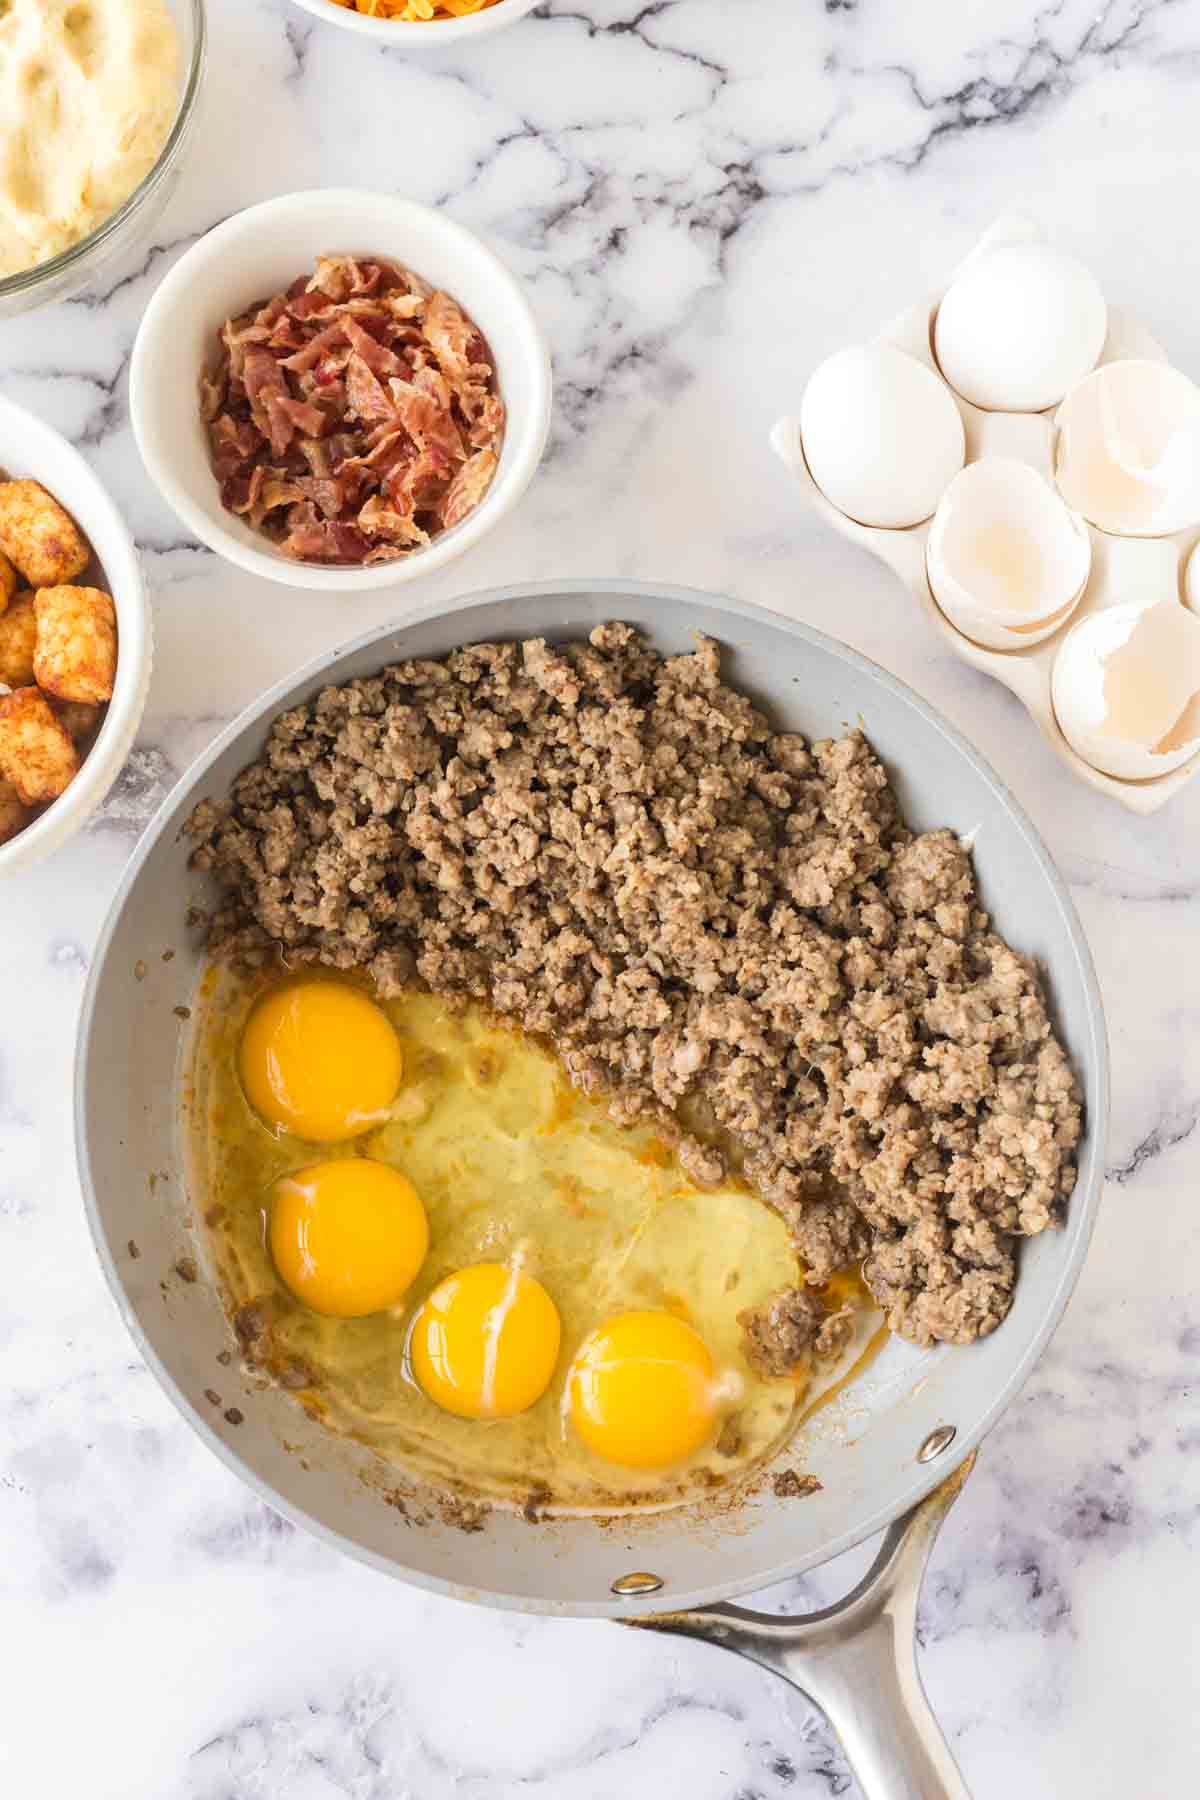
{"x": 1018, "y": 327}
{"x": 882, "y": 435}
{"x": 1126, "y": 689}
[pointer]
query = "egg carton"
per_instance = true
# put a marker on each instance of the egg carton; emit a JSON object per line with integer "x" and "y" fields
{"x": 1121, "y": 567}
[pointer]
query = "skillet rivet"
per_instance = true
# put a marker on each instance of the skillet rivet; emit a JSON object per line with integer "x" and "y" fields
{"x": 638, "y": 1583}
{"x": 936, "y": 1442}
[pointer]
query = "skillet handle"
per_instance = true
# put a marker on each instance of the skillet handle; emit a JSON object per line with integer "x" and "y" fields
{"x": 857, "y": 1660}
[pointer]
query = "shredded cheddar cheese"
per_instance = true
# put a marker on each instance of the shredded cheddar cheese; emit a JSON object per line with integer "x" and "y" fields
{"x": 414, "y": 10}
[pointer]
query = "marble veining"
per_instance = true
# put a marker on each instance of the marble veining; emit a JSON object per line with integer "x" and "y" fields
{"x": 703, "y": 198}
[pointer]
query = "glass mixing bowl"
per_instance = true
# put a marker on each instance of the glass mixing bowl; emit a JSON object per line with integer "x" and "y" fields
{"x": 73, "y": 269}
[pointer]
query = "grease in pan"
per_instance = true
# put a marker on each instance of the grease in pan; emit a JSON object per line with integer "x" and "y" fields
{"x": 569, "y": 1222}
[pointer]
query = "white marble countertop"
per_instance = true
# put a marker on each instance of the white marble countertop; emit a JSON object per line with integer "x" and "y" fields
{"x": 704, "y": 197}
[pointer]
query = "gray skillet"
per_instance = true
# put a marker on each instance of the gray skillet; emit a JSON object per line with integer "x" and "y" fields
{"x": 883, "y": 1455}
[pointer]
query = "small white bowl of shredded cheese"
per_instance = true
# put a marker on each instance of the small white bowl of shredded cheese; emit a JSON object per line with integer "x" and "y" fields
{"x": 96, "y": 102}
{"x": 419, "y": 24}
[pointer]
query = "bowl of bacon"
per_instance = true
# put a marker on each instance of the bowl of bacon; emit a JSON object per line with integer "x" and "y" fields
{"x": 340, "y": 389}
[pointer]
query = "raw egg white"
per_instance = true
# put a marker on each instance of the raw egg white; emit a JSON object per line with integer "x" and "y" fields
{"x": 881, "y": 434}
{"x": 1018, "y": 327}
{"x": 485, "y": 1343}
{"x": 1007, "y": 561}
{"x": 347, "y": 1237}
{"x": 1126, "y": 689}
{"x": 320, "y": 1060}
{"x": 549, "y": 1226}
{"x": 1128, "y": 449}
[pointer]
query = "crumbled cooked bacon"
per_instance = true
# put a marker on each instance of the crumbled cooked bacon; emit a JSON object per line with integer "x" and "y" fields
{"x": 354, "y": 417}
{"x": 469, "y": 486}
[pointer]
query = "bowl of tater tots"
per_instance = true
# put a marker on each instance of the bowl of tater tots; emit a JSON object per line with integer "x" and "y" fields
{"x": 75, "y": 647}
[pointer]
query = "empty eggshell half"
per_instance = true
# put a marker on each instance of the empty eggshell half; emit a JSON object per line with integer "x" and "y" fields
{"x": 1191, "y": 579}
{"x": 882, "y": 435}
{"x": 1128, "y": 449}
{"x": 1126, "y": 689}
{"x": 1019, "y": 326}
{"x": 1007, "y": 561}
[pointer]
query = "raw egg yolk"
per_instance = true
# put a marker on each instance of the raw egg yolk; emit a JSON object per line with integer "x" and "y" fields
{"x": 485, "y": 1343}
{"x": 319, "y": 1059}
{"x": 642, "y": 1390}
{"x": 348, "y": 1237}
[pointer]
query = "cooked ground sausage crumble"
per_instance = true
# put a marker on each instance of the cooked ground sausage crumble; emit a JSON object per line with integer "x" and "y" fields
{"x": 713, "y": 920}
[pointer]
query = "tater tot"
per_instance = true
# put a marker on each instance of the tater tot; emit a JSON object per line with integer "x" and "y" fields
{"x": 36, "y": 534}
{"x": 78, "y": 718}
{"x": 18, "y": 640}
{"x": 13, "y": 815}
{"x": 10, "y": 581}
{"x": 76, "y": 653}
{"x": 36, "y": 754}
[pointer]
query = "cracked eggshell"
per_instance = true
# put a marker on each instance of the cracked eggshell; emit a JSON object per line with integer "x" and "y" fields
{"x": 1018, "y": 327}
{"x": 882, "y": 435}
{"x": 1191, "y": 579}
{"x": 1007, "y": 562}
{"x": 1127, "y": 454}
{"x": 1126, "y": 689}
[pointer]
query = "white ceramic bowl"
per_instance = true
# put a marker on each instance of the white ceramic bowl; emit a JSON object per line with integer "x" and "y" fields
{"x": 258, "y": 253}
{"x": 416, "y": 34}
{"x": 28, "y": 448}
